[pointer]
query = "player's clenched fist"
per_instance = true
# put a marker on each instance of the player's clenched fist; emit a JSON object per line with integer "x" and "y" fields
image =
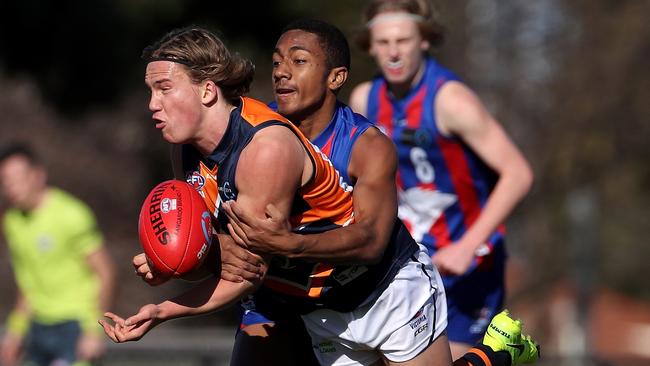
{"x": 144, "y": 271}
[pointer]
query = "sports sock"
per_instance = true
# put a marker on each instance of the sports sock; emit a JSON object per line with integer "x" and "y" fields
{"x": 482, "y": 355}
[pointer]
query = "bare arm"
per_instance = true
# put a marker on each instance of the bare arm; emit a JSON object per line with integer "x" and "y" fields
{"x": 102, "y": 265}
{"x": 17, "y": 325}
{"x": 461, "y": 113}
{"x": 21, "y": 313}
{"x": 90, "y": 345}
{"x": 210, "y": 295}
{"x": 373, "y": 164}
{"x": 273, "y": 157}
{"x": 237, "y": 263}
{"x": 270, "y": 170}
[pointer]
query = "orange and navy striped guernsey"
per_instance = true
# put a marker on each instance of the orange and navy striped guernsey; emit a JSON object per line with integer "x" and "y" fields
{"x": 321, "y": 205}
{"x": 325, "y": 203}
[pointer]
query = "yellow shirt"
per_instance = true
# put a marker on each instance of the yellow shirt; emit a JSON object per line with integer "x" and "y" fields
{"x": 48, "y": 248}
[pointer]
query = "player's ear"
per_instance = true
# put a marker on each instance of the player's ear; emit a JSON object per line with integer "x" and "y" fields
{"x": 425, "y": 45}
{"x": 208, "y": 92}
{"x": 337, "y": 77}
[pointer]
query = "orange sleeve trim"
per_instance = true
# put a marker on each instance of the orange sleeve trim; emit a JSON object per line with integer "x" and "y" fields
{"x": 256, "y": 112}
{"x": 482, "y": 355}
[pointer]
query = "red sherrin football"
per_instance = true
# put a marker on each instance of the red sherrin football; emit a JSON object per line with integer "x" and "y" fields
{"x": 174, "y": 228}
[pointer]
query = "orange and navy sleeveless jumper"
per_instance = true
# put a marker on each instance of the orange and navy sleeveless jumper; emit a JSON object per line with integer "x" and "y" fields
{"x": 325, "y": 203}
{"x": 442, "y": 184}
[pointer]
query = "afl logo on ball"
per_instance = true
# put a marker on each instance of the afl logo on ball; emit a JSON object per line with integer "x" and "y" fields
{"x": 167, "y": 204}
{"x": 196, "y": 180}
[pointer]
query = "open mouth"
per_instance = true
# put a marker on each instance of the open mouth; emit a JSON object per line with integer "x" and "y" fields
{"x": 159, "y": 124}
{"x": 395, "y": 64}
{"x": 395, "y": 67}
{"x": 284, "y": 91}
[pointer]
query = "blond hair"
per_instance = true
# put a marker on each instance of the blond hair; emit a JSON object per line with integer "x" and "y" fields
{"x": 424, "y": 11}
{"x": 206, "y": 58}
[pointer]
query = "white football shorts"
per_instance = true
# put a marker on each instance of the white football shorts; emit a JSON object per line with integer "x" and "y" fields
{"x": 398, "y": 324}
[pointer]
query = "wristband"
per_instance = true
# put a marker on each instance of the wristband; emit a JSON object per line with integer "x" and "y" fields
{"x": 17, "y": 323}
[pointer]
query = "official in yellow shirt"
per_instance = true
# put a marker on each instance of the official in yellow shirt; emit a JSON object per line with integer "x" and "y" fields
{"x": 63, "y": 272}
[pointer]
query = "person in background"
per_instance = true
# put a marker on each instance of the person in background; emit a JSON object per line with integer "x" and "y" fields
{"x": 63, "y": 272}
{"x": 459, "y": 175}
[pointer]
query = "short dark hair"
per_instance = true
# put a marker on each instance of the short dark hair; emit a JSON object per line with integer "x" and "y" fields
{"x": 331, "y": 38}
{"x": 19, "y": 148}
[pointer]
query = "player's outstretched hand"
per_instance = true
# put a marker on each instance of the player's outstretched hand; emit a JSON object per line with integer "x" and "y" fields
{"x": 269, "y": 235}
{"x": 146, "y": 273}
{"x": 133, "y": 328}
{"x": 116, "y": 330}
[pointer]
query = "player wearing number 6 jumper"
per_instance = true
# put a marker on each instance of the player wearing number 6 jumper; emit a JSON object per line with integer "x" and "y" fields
{"x": 459, "y": 175}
